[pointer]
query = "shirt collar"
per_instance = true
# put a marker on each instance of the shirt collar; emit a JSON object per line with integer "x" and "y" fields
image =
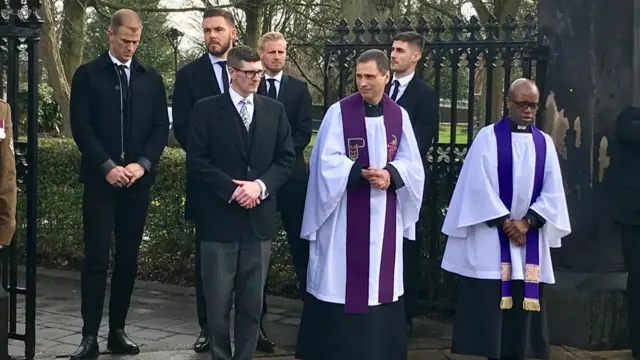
{"x": 237, "y": 98}
{"x": 118, "y": 62}
{"x": 215, "y": 59}
{"x": 405, "y": 79}
{"x": 278, "y": 76}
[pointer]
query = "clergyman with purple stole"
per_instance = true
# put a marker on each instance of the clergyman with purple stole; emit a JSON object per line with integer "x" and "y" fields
{"x": 507, "y": 210}
{"x": 364, "y": 195}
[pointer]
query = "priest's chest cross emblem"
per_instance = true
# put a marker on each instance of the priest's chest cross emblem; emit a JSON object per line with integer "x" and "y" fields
{"x": 355, "y": 144}
{"x": 392, "y": 147}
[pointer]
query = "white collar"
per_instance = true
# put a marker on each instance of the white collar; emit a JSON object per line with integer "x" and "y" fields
{"x": 118, "y": 62}
{"x": 237, "y": 98}
{"x": 278, "y": 76}
{"x": 215, "y": 59}
{"x": 405, "y": 79}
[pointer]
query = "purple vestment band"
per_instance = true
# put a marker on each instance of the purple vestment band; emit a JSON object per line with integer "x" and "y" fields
{"x": 505, "y": 182}
{"x": 359, "y": 206}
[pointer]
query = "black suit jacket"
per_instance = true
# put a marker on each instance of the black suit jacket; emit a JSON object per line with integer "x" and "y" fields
{"x": 194, "y": 81}
{"x": 220, "y": 149}
{"x": 95, "y": 119}
{"x": 294, "y": 95}
{"x": 628, "y": 167}
{"x": 422, "y": 104}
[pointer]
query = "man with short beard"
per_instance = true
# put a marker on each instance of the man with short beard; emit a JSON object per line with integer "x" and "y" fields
{"x": 204, "y": 77}
{"x": 294, "y": 95}
{"x": 421, "y": 102}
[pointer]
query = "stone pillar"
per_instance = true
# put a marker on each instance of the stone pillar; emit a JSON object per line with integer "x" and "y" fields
{"x": 593, "y": 73}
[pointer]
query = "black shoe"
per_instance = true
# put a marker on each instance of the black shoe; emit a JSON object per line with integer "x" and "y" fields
{"x": 120, "y": 344}
{"x": 202, "y": 342}
{"x": 264, "y": 344}
{"x": 88, "y": 349}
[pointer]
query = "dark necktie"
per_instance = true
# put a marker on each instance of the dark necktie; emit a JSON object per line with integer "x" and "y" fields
{"x": 272, "y": 89}
{"x": 124, "y": 81}
{"x": 225, "y": 76}
{"x": 396, "y": 87}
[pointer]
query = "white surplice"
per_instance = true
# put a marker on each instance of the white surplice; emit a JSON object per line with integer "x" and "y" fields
{"x": 325, "y": 212}
{"x": 473, "y": 248}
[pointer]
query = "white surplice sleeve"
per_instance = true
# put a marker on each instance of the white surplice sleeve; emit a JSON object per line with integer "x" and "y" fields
{"x": 329, "y": 169}
{"x": 408, "y": 163}
{"x": 552, "y": 202}
{"x": 475, "y": 198}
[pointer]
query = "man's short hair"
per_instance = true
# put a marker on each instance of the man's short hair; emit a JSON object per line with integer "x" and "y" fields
{"x": 411, "y": 37}
{"x": 241, "y": 53}
{"x": 218, "y": 12}
{"x": 125, "y": 17}
{"x": 379, "y": 56}
{"x": 271, "y": 36}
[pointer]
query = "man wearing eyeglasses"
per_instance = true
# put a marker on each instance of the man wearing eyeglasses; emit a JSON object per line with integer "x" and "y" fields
{"x": 239, "y": 154}
{"x": 507, "y": 210}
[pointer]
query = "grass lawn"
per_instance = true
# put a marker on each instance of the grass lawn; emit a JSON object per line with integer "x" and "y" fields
{"x": 444, "y": 135}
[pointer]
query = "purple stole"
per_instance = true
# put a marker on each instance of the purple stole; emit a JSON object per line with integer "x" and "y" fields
{"x": 359, "y": 206}
{"x": 505, "y": 180}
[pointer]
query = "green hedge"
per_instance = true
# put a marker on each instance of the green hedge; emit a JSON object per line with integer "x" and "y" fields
{"x": 167, "y": 251}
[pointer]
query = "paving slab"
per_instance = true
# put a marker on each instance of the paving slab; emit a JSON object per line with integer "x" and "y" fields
{"x": 162, "y": 320}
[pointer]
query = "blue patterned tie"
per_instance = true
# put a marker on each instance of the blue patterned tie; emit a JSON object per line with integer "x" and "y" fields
{"x": 244, "y": 113}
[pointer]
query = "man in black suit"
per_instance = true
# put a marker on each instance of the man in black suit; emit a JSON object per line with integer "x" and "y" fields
{"x": 239, "y": 155}
{"x": 120, "y": 123}
{"x": 201, "y": 78}
{"x": 294, "y": 95}
{"x": 411, "y": 92}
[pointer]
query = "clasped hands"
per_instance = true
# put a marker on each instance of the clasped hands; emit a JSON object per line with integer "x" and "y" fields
{"x": 379, "y": 178}
{"x": 516, "y": 230}
{"x": 247, "y": 193}
{"x": 125, "y": 176}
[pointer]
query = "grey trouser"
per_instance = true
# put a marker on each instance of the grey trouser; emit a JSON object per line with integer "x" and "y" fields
{"x": 227, "y": 267}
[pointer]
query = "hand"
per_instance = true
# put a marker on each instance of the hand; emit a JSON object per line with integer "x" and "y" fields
{"x": 247, "y": 194}
{"x": 134, "y": 171}
{"x": 379, "y": 178}
{"x": 516, "y": 230}
{"x": 118, "y": 177}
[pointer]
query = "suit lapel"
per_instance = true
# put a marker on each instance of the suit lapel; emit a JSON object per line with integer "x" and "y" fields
{"x": 230, "y": 119}
{"x": 262, "y": 88}
{"x": 410, "y": 89}
{"x": 284, "y": 88}
{"x": 209, "y": 75}
{"x": 255, "y": 143}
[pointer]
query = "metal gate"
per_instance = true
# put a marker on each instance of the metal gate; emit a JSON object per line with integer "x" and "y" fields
{"x": 20, "y": 26}
{"x": 455, "y": 63}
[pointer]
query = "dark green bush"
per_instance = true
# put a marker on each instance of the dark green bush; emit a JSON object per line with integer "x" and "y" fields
{"x": 167, "y": 251}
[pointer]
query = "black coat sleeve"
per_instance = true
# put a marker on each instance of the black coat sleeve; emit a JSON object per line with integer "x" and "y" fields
{"x": 81, "y": 128}
{"x": 200, "y": 166}
{"x": 284, "y": 157}
{"x": 427, "y": 124}
{"x": 157, "y": 139}
{"x": 302, "y": 131}
{"x": 180, "y": 108}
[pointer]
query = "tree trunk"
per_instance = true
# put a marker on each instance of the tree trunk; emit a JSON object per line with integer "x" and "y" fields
{"x": 53, "y": 63}
{"x": 72, "y": 38}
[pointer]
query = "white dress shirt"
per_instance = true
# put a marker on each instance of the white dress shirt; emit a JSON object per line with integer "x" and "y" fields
{"x": 237, "y": 102}
{"x": 276, "y": 83}
{"x": 217, "y": 68}
{"x": 403, "y": 81}
{"x": 127, "y": 65}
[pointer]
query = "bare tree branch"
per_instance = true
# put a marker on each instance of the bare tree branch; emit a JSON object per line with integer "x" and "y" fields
{"x": 481, "y": 9}
{"x": 186, "y": 9}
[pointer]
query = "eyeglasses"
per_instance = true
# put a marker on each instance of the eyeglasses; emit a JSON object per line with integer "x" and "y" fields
{"x": 523, "y": 105}
{"x": 251, "y": 74}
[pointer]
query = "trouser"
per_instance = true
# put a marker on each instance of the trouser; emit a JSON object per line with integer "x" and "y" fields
{"x": 200, "y": 299}
{"x": 412, "y": 250}
{"x": 631, "y": 253}
{"x": 105, "y": 209}
{"x": 291, "y": 207}
{"x": 239, "y": 267}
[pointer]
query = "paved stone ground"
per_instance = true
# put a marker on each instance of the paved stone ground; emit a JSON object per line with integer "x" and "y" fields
{"x": 162, "y": 320}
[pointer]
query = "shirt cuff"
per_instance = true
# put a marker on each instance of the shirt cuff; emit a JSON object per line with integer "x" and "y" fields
{"x": 264, "y": 194}
{"x": 355, "y": 175}
{"x": 145, "y": 163}
{"x": 107, "y": 166}
{"x": 231, "y": 198}
{"x": 396, "y": 179}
